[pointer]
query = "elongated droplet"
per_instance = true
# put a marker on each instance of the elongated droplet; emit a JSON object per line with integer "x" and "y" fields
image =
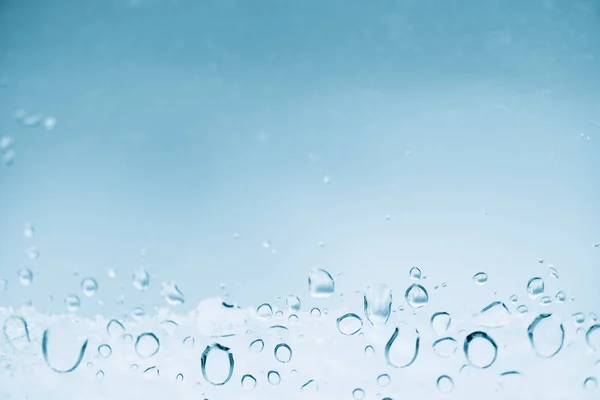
{"x": 310, "y": 386}
{"x": 104, "y": 350}
{"x": 217, "y": 364}
{"x": 480, "y": 349}
{"x": 401, "y": 354}
{"x": 273, "y": 377}
{"x": 546, "y": 335}
{"x": 535, "y": 287}
{"x": 416, "y": 296}
{"x": 89, "y": 286}
{"x": 445, "y": 384}
{"x": 377, "y": 302}
{"x": 283, "y": 353}
{"x": 248, "y": 382}
{"x": 480, "y": 278}
{"x": 494, "y": 315}
{"x": 592, "y": 337}
{"x": 415, "y": 274}
{"x": 264, "y": 311}
{"x": 440, "y": 322}
{"x": 171, "y": 293}
{"x": 115, "y": 329}
{"x": 320, "y": 283}
{"x": 141, "y": 279}
{"x": 47, "y": 357}
{"x": 257, "y": 346}
{"x": 349, "y": 324}
{"x": 293, "y": 303}
{"x": 16, "y": 332}
{"x": 147, "y": 345}
{"x": 445, "y": 347}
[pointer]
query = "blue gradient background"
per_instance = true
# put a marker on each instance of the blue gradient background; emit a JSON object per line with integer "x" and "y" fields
{"x": 181, "y": 123}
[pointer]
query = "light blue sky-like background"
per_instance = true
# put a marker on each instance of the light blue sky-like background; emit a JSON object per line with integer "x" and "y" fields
{"x": 182, "y": 123}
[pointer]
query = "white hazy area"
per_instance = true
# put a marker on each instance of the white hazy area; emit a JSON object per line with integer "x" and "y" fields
{"x": 333, "y": 363}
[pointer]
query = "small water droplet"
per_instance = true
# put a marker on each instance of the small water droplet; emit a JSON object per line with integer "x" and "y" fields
{"x": 33, "y": 252}
{"x": 415, "y": 273}
{"x": 358, "y": 394}
{"x": 112, "y": 273}
{"x": 384, "y": 380}
{"x": 257, "y": 346}
{"x": 274, "y": 378}
{"x": 3, "y": 285}
{"x": 514, "y": 298}
{"x": 369, "y": 350}
{"x": 546, "y": 335}
{"x": 553, "y": 272}
{"x": 416, "y": 296}
{"x": 327, "y": 179}
{"x": 596, "y": 245}
{"x": 377, "y": 302}
{"x": 115, "y": 329}
{"x": 133, "y": 367}
{"x": 141, "y": 279}
{"x": 540, "y": 260}
{"x": 49, "y": 123}
{"x": 171, "y": 293}
{"x": 592, "y": 337}
{"x": 445, "y": 384}
{"x": 590, "y": 383}
{"x": 349, "y": 324}
{"x": 320, "y": 283}
{"x": 494, "y": 315}
{"x": 545, "y": 300}
{"x": 223, "y": 363}
{"x": 179, "y": 377}
{"x": 147, "y": 345}
{"x": 100, "y": 374}
{"x": 293, "y": 303}
{"x": 28, "y": 230}
{"x": 72, "y": 302}
{"x": 401, "y": 354}
{"x": 293, "y": 319}
{"x": 89, "y": 286}
{"x": 578, "y": 318}
{"x": 137, "y": 313}
{"x": 445, "y": 347}
{"x": 440, "y": 322}
{"x": 535, "y": 287}
{"x": 522, "y": 309}
{"x": 315, "y": 312}
{"x": 264, "y": 311}
{"x": 480, "y": 278}
{"x": 248, "y": 382}
{"x": 45, "y": 353}
{"x": 104, "y": 350}
{"x": 25, "y": 277}
{"x": 189, "y": 341}
{"x": 283, "y": 353}
{"x": 480, "y": 349}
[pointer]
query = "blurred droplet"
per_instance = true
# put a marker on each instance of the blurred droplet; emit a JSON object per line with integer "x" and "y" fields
{"x": 33, "y": 252}
{"x": 3, "y": 285}
{"x": 320, "y": 283}
{"x": 416, "y": 296}
{"x": 171, "y": 293}
{"x": 578, "y": 318}
{"x": 327, "y": 179}
{"x": 89, "y": 286}
{"x": 545, "y": 300}
{"x": 72, "y": 302}
{"x": 138, "y": 313}
{"x": 25, "y": 277}
{"x": 28, "y": 230}
{"x": 49, "y": 123}
{"x": 141, "y": 279}
{"x": 514, "y": 298}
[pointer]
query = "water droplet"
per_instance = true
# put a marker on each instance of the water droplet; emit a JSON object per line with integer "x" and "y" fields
{"x": 445, "y": 347}
{"x": 115, "y": 329}
{"x": 415, "y": 273}
{"x": 494, "y": 315}
{"x": 179, "y": 377}
{"x": 592, "y": 337}
{"x": 257, "y": 346}
{"x": 137, "y": 313}
{"x": 151, "y": 372}
{"x": 133, "y": 367}
{"x": 384, "y": 380}
{"x": 553, "y": 272}
{"x": 535, "y": 287}
{"x": 514, "y": 298}
{"x": 189, "y": 341}
{"x": 292, "y": 319}
{"x": 112, "y": 273}
{"x": 480, "y": 349}
{"x": 72, "y": 302}
{"x": 16, "y": 332}
{"x": 3, "y": 285}
{"x": 273, "y": 377}
{"x": 283, "y": 353}
{"x": 311, "y": 386}
{"x": 416, "y": 296}
{"x": 546, "y": 335}
{"x": 369, "y": 350}
{"x": 349, "y": 324}
{"x": 293, "y": 303}
{"x": 590, "y": 383}
{"x": 25, "y": 277}
{"x": 141, "y": 279}
{"x": 540, "y": 260}
{"x": 47, "y": 357}
{"x": 327, "y": 179}
{"x": 561, "y": 297}
{"x": 545, "y": 300}
{"x": 147, "y": 345}
{"x": 49, "y": 123}
{"x": 104, "y": 350}
{"x": 578, "y": 318}
{"x": 248, "y": 382}
{"x": 171, "y": 293}
{"x": 221, "y": 366}
{"x": 28, "y": 230}
{"x": 5, "y": 143}
{"x": 315, "y": 312}
{"x": 403, "y": 353}
{"x": 480, "y": 278}
{"x": 89, "y": 286}
{"x": 99, "y": 374}
{"x": 33, "y": 252}
{"x": 377, "y": 302}
{"x": 128, "y": 338}
{"x": 522, "y": 309}
{"x": 264, "y": 311}
{"x": 445, "y": 384}
{"x": 358, "y": 394}
{"x": 320, "y": 283}
{"x": 440, "y": 322}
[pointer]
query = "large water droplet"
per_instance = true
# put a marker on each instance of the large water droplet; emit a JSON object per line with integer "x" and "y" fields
{"x": 445, "y": 347}
{"x": 72, "y": 302}
{"x": 248, "y": 382}
{"x": 25, "y": 277}
{"x": 115, "y": 329}
{"x": 535, "y": 287}
{"x": 480, "y": 349}
{"x": 221, "y": 364}
{"x": 104, "y": 350}
{"x": 171, "y": 293}
{"x": 257, "y": 346}
{"x": 445, "y": 384}
{"x": 590, "y": 383}
{"x": 16, "y": 332}
{"x": 378, "y": 304}
{"x": 283, "y": 353}
{"x": 494, "y": 315}
{"x": 416, "y": 296}
{"x": 546, "y": 335}
{"x": 141, "y": 279}
{"x": 264, "y": 311}
{"x": 147, "y": 345}
{"x": 480, "y": 278}
{"x": 415, "y": 273}
{"x": 320, "y": 283}
{"x": 89, "y": 286}
{"x": 45, "y": 352}
{"x": 293, "y": 303}
{"x": 401, "y": 353}
{"x": 358, "y": 394}
{"x": 592, "y": 337}
{"x": 274, "y": 378}
{"x": 384, "y": 380}
{"x": 349, "y": 324}
{"x": 440, "y": 322}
